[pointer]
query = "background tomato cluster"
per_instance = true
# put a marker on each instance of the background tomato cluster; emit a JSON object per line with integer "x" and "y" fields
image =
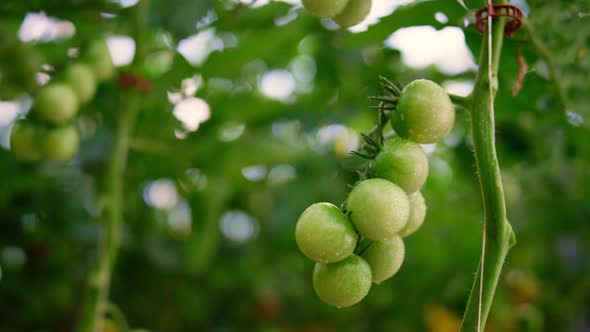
{"x": 211, "y": 202}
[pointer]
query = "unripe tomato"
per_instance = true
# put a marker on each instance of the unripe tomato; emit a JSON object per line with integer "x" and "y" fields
{"x": 343, "y": 283}
{"x": 425, "y": 113}
{"x": 417, "y": 214}
{"x": 56, "y": 104}
{"x": 81, "y": 79}
{"x": 324, "y": 234}
{"x": 385, "y": 258}
{"x": 378, "y": 209}
{"x": 354, "y": 13}
{"x": 25, "y": 141}
{"x": 324, "y": 8}
{"x": 99, "y": 58}
{"x": 61, "y": 143}
{"x": 402, "y": 162}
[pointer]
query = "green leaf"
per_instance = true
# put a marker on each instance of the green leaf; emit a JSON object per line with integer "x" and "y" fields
{"x": 414, "y": 14}
{"x": 179, "y": 17}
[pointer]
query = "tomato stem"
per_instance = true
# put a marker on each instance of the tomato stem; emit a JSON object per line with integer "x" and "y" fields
{"x": 95, "y": 302}
{"x": 498, "y": 233}
{"x": 463, "y": 102}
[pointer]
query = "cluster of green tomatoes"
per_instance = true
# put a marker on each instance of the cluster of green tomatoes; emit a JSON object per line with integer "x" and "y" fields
{"x": 48, "y": 131}
{"x": 345, "y": 13}
{"x": 361, "y": 242}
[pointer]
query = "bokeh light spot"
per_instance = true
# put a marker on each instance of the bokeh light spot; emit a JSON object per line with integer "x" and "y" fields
{"x": 277, "y": 84}
{"x": 161, "y": 194}
{"x": 238, "y": 226}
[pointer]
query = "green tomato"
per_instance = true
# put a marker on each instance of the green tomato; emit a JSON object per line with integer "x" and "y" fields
{"x": 385, "y": 258}
{"x": 424, "y": 114}
{"x": 61, "y": 143}
{"x": 324, "y": 234}
{"x": 354, "y": 13}
{"x": 324, "y": 8}
{"x": 344, "y": 283}
{"x": 56, "y": 104}
{"x": 99, "y": 58}
{"x": 402, "y": 162}
{"x": 378, "y": 209}
{"x": 417, "y": 214}
{"x": 81, "y": 79}
{"x": 25, "y": 141}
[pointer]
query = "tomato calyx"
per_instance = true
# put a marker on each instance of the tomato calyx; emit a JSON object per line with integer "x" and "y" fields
{"x": 373, "y": 141}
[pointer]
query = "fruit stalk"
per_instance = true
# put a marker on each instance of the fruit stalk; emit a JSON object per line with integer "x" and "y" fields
{"x": 95, "y": 300}
{"x": 498, "y": 233}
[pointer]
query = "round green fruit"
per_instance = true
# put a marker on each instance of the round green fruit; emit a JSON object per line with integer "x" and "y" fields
{"x": 378, "y": 209}
{"x": 354, "y": 13}
{"x": 424, "y": 114}
{"x": 417, "y": 214}
{"x": 385, "y": 258}
{"x": 82, "y": 80}
{"x": 99, "y": 58}
{"x": 56, "y": 104}
{"x": 25, "y": 141}
{"x": 61, "y": 143}
{"x": 324, "y": 8}
{"x": 402, "y": 162}
{"x": 344, "y": 283}
{"x": 324, "y": 234}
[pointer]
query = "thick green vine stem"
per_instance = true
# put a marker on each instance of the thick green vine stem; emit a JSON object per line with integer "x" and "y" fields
{"x": 498, "y": 234}
{"x": 96, "y": 297}
{"x": 95, "y": 302}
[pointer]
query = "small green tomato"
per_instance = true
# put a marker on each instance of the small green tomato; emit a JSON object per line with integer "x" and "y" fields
{"x": 81, "y": 79}
{"x": 425, "y": 113}
{"x": 56, "y": 104}
{"x": 354, "y": 13}
{"x": 402, "y": 162}
{"x": 324, "y": 234}
{"x": 385, "y": 258}
{"x": 61, "y": 143}
{"x": 344, "y": 283}
{"x": 324, "y": 8}
{"x": 99, "y": 58}
{"x": 25, "y": 141}
{"x": 417, "y": 214}
{"x": 378, "y": 209}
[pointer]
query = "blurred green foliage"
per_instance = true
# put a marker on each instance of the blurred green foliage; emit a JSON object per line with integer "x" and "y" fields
{"x": 193, "y": 277}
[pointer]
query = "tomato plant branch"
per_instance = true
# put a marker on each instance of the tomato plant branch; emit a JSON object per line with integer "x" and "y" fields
{"x": 96, "y": 298}
{"x": 498, "y": 233}
{"x": 95, "y": 302}
{"x": 464, "y": 102}
{"x": 546, "y": 55}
